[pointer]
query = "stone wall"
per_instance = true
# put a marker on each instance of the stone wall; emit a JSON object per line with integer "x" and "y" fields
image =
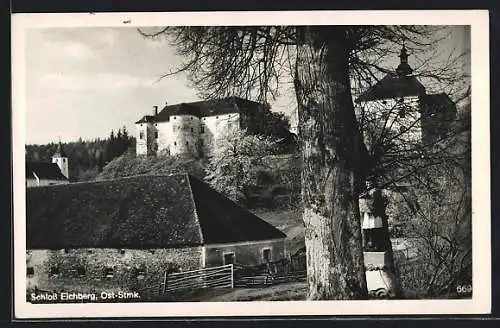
{"x": 118, "y": 269}
{"x": 247, "y": 253}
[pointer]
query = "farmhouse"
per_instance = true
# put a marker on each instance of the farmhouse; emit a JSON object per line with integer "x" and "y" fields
{"x": 45, "y": 174}
{"x": 128, "y": 232}
{"x": 194, "y": 128}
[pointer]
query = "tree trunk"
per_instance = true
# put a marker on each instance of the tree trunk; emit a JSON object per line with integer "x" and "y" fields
{"x": 330, "y": 149}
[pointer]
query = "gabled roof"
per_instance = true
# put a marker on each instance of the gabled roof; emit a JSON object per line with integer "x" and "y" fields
{"x": 393, "y": 86}
{"x": 203, "y": 108}
{"x": 138, "y": 212}
{"x": 50, "y": 171}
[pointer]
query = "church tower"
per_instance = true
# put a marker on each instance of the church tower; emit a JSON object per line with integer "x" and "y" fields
{"x": 61, "y": 160}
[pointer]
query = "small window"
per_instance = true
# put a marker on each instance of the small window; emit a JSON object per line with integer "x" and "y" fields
{"x": 228, "y": 258}
{"x": 192, "y": 130}
{"x": 80, "y": 271}
{"x": 266, "y": 254}
{"x": 30, "y": 271}
{"x": 109, "y": 273}
{"x": 175, "y": 143}
{"x": 174, "y": 117}
{"x": 204, "y": 118}
{"x": 156, "y": 134}
{"x": 64, "y": 160}
{"x": 122, "y": 251}
{"x": 54, "y": 270}
{"x": 141, "y": 273}
{"x": 187, "y": 143}
{"x": 202, "y": 129}
{"x": 402, "y": 112}
{"x": 216, "y": 117}
{"x": 141, "y": 135}
{"x": 89, "y": 251}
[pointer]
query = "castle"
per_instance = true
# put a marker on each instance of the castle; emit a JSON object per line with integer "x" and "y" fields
{"x": 400, "y": 105}
{"x": 194, "y": 128}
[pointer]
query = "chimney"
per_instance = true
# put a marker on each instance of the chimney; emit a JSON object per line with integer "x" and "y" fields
{"x": 155, "y": 110}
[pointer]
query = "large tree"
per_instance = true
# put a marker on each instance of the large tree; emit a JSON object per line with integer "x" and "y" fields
{"x": 323, "y": 63}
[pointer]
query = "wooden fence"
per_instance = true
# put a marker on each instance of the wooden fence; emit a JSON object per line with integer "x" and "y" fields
{"x": 216, "y": 277}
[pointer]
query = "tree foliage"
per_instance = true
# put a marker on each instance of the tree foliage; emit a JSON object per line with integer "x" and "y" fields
{"x": 236, "y": 166}
{"x": 129, "y": 164}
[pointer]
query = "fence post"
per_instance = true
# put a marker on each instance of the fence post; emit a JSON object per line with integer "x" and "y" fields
{"x": 164, "y": 283}
{"x": 232, "y": 276}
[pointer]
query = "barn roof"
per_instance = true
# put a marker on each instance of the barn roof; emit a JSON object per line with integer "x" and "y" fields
{"x": 50, "y": 171}
{"x": 138, "y": 212}
{"x": 203, "y": 108}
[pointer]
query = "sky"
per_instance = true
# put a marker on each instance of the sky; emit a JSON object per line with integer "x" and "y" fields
{"x": 83, "y": 82}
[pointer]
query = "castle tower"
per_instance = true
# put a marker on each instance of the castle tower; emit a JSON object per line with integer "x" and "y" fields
{"x": 61, "y": 160}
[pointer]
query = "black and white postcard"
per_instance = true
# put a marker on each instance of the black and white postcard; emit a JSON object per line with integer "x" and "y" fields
{"x": 251, "y": 163}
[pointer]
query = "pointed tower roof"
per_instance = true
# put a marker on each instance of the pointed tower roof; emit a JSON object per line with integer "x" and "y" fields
{"x": 59, "y": 151}
{"x": 401, "y": 83}
{"x": 403, "y": 68}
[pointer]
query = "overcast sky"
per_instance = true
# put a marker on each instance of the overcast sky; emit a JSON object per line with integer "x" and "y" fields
{"x": 83, "y": 82}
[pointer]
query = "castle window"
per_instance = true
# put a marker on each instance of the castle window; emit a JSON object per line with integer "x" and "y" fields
{"x": 64, "y": 160}
{"x": 122, "y": 251}
{"x": 141, "y": 135}
{"x": 109, "y": 273}
{"x": 192, "y": 130}
{"x": 175, "y": 143}
{"x": 156, "y": 134}
{"x": 30, "y": 271}
{"x": 202, "y": 130}
{"x": 187, "y": 143}
{"x": 54, "y": 270}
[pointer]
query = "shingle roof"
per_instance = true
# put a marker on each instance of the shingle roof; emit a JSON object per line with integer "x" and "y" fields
{"x": 44, "y": 171}
{"x": 223, "y": 221}
{"x": 393, "y": 86}
{"x": 137, "y": 212}
{"x": 203, "y": 108}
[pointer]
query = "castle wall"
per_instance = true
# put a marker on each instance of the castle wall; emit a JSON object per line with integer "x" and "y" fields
{"x": 165, "y": 136}
{"x": 185, "y": 135}
{"x": 216, "y": 127}
{"x": 146, "y": 143}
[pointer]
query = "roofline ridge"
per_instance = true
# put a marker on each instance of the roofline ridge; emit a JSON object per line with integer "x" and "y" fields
{"x": 195, "y": 210}
{"x": 79, "y": 183}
